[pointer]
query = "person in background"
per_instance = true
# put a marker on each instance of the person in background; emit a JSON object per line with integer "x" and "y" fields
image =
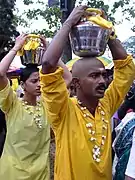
{"x": 129, "y": 103}
{"x": 124, "y": 143}
{"x": 82, "y": 125}
{"x": 26, "y": 150}
{"x": 3, "y": 128}
{"x": 109, "y": 75}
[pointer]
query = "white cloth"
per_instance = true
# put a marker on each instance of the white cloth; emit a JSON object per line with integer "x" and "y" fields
{"x": 130, "y": 171}
{"x": 19, "y": 91}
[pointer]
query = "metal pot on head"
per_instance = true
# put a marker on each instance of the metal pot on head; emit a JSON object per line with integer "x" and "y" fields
{"x": 33, "y": 51}
{"x": 88, "y": 38}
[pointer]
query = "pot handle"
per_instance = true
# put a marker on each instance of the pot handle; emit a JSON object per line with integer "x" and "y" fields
{"x": 95, "y": 10}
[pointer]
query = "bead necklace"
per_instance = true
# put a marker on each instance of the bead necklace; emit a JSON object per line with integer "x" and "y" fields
{"x": 36, "y": 112}
{"x": 96, "y": 151}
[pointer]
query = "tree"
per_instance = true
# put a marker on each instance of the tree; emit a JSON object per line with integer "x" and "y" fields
{"x": 7, "y": 26}
{"x": 67, "y": 52}
{"x": 53, "y": 16}
{"x": 50, "y": 15}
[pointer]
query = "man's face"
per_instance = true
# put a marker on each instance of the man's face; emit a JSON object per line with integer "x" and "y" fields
{"x": 94, "y": 84}
{"x": 32, "y": 84}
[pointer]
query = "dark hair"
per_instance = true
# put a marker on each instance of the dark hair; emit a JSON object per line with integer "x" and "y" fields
{"x": 11, "y": 82}
{"x": 18, "y": 79}
{"x": 129, "y": 102}
{"x": 27, "y": 71}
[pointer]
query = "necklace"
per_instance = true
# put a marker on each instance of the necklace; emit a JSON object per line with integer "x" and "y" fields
{"x": 97, "y": 148}
{"x": 36, "y": 112}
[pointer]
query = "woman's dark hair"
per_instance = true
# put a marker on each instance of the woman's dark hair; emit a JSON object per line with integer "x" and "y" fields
{"x": 18, "y": 79}
{"x": 129, "y": 102}
{"x": 27, "y": 71}
{"x": 11, "y": 82}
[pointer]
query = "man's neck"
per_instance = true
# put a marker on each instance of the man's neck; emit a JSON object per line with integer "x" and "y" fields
{"x": 88, "y": 102}
{"x": 30, "y": 99}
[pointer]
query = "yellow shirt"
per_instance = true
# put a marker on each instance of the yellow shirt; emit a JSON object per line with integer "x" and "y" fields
{"x": 26, "y": 150}
{"x": 14, "y": 84}
{"x": 74, "y": 160}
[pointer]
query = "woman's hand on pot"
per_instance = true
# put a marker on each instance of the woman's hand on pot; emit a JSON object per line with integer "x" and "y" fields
{"x": 104, "y": 15}
{"x": 76, "y": 15}
{"x": 20, "y": 40}
{"x": 43, "y": 40}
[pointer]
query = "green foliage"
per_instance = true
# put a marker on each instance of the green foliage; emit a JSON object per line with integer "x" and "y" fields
{"x": 7, "y": 26}
{"x": 52, "y": 15}
{"x": 126, "y": 7}
{"x": 28, "y": 2}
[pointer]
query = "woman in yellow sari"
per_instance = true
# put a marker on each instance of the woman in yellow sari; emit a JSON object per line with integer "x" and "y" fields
{"x": 26, "y": 150}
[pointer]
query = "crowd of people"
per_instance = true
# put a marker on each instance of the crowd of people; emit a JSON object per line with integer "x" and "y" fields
{"x": 90, "y": 113}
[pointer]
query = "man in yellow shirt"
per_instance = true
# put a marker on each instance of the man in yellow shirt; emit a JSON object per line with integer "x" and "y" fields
{"x": 82, "y": 125}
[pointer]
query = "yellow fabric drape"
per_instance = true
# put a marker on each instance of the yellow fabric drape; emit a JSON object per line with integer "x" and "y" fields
{"x": 32, "y": 43}
{"x": 97, "y": 19}
{"x": 14, "y": 84}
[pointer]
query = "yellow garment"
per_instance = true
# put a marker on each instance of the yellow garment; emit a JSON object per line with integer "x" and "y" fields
{"x": 97, "y": 19}
{"x": 32, "y": 43}
{"x": 74, "y": 159}
{"x": 14, "y": 84}
{"x": 100, "y": 21}
{"x": 26, "y": 150}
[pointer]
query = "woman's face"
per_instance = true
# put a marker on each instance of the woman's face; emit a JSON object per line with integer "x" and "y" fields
{"x": 32, "y": 84}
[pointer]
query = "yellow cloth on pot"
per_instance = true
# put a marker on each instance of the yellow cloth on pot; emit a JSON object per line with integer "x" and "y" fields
{"x": 97, "y": 19}
{"x": 100, "y": 21}
{"x": 30, "y": 44}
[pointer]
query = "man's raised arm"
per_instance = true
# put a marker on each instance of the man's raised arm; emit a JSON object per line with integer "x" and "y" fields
{"x": 124, "y": 74}
{"x": 55, "y": 49}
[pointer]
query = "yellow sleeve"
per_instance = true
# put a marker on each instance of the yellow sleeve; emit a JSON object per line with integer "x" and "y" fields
{"x": 14, "y": 84}
{"x": 55, "y": 94}
{"x": 124, "y": 74}
{"x": 7, "y": 98}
